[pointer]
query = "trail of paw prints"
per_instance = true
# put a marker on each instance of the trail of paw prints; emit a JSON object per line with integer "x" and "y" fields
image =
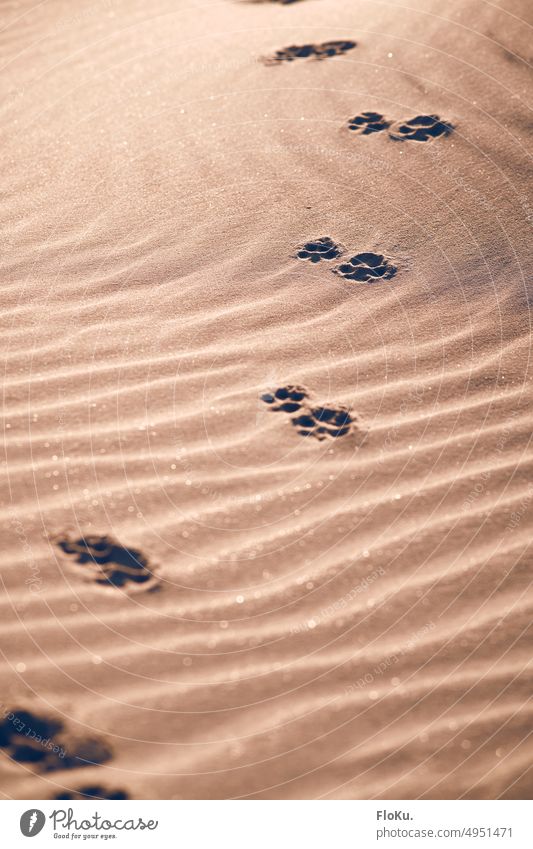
{"x": 321, "y": 422}
{"x": 321, "y": 248}
{"x": 92, "y": 791}
{"x": 310, "y": 51}
{"x": 366, "y": 268}
{"x": 421, "y": 128}
{"x": 108, "y": 562}
{"x": 47, "y": 744}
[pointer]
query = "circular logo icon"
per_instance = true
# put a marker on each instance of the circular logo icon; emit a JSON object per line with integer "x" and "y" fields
{"x": 32, "y": 822}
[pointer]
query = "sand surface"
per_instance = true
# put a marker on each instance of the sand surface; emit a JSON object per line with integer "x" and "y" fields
{"x": 346, "y": 617}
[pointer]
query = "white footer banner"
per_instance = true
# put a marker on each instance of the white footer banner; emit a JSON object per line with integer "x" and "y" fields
{"x": 269, "y": 824}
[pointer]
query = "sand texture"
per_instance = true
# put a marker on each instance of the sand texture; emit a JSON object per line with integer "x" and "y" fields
{"x": 267, "y": 487}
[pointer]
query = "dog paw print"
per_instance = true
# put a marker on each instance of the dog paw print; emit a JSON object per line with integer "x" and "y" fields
{"x": 32, "y": 739}
{"x": 92, "y": 791}
{"x": 307, "y": 51}
{"x": 286, "y": 399}
{"x": 324, "y": 422}
{"x": 108, "y": 561}
{"x": 366, "y": 268}
{"x": 422, "y": 128}
{"x": 22, "y": 733}
{"x": 323, "y": 248}
{"x": 321, "y": 422}
{"x": 333, "y": 48}
{"x": 367, "y": 123}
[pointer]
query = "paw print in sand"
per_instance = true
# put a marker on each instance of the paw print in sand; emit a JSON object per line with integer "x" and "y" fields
{"x": 306, "y": 51}
{"x": 323, "y": 248}
{"x": 322, "y": 422}
{"x": 287, "y": 399}
{"x": 366, "y": 268}
{"x": 367, "y": 123}
{"x": 421, "y": 129}
{"x": 108, "y": 561}
{"x": 333, "y": 48}
{"x": 44, "y": 741}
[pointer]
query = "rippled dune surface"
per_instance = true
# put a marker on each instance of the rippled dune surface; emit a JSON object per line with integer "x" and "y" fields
{"x": 267, "y": 483}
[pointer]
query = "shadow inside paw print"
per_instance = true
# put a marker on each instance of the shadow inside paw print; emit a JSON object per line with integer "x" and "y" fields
{"x": 111, "y": 563}
{"x": 306, "y": 51}
{"x": 322, "y": 422}
{"x": 366, "y": 268}
{"x": 95, "y": 791}
{"x": 367, "y": 123}
{"x": 333, "y": 48}
{"x": 323, "y": 248}
{"x": 287, "y": 399}
{"x": 31, "y": 739}
{"x": 421, "y": 129}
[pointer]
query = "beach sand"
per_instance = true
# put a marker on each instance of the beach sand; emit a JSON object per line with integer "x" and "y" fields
{"x": 328, "y": 600}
